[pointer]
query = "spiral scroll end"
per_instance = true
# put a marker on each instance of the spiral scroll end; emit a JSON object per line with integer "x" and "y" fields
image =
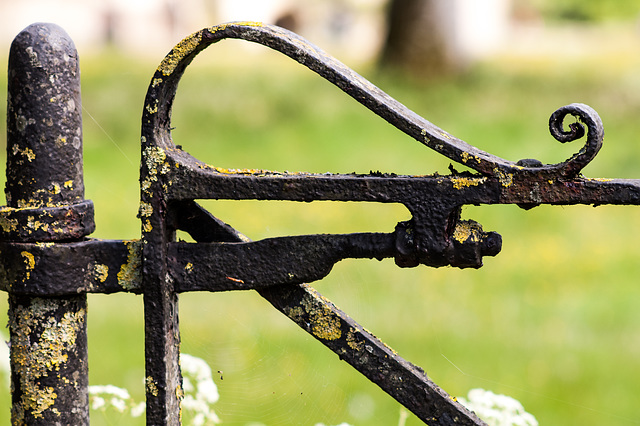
{"x": 588, "y": 122}
{"x": 584, "y": 113}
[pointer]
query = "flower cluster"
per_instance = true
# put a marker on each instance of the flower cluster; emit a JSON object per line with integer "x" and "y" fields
{"x": 200, "y": 392}
{"x": 109, "y": 396}
{"x": 497, "y": 410}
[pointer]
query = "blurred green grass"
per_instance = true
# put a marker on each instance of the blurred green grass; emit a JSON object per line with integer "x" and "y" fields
{"x": 551, "y": 321}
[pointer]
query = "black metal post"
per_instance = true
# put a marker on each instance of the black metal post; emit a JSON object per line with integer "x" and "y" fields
{"x": 45, "y": 188}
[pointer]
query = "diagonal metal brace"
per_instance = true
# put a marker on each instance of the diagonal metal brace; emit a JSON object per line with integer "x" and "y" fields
{"x": 316, "y": 315}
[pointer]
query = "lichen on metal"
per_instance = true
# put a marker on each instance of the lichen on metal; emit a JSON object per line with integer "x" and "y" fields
{"x": 320, "y": 320}
{"x": 505, "y": 178}
{"x": 177, "y": 54}
{"x": 150, "y": 385}
{"x": 352, "y": 341}
{"x": 101, "y": 272}
{"x": 467, "y": 231}
{"x": 7, "y": 224}
{"x": 145, "y": 209}
{"x": 460, "y": 182}
{"x": 129, "y": 276}
{"x": 155, "y": 159}
{"x": 41, "y": 355}
{"x": 30, "y": 263}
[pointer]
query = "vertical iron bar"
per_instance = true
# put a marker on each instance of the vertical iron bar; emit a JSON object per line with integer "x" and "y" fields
{"x": 49, "y": 369}
{"x": 162, "y": 333}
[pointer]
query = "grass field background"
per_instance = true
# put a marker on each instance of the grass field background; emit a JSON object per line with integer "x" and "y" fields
{"x": 552, "y": 321}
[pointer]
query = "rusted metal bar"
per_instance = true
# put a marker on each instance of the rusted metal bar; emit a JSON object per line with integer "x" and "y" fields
{"x": 45, "y": 198}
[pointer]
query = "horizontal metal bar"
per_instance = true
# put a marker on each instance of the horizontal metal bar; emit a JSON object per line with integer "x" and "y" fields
{"x": 193, "y": 180}
{"x": 57, "y": 269}
{"x": 272, "y": 261}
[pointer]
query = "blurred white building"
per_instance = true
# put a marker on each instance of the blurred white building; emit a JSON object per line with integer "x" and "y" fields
{"x": 353, "y": 29}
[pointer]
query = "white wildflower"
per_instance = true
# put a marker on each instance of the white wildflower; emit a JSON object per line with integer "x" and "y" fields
{"x": 138, "y": 409}
{"x": 97, "y": 402}
{"x": 110, "y": 396}
{"x": 110, "y": 390}
{"x": 200, "y": 392}
{"x": 5, "y": 366}
{"x": 118, "y": 404}
{"x": 497, "y": 410}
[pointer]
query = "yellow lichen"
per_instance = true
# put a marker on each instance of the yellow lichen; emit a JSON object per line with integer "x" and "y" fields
{"x": 152, "y": 109}
{"x": 465, "y": 182}
{"x": 129, "y": 275}
{"x": 30, "y": 263}
{"x": 35, "y": 225}
{"x": 445, "y": 135}
{"x": 145, "y": 209}
{"x": 179, "y": 52}
{"x": 101, "y": 272}
{"x": 26, "y": 152}
{"x": 506, "y": 179}
{"x": 8, "y": 224}
{"x": 324, "y": 323}
{"x": 155, "y": 159}
{"x": 39, "y": 356}
{"x": 352, "y": 341}
{"x": 222, "y": 27}
{"x": 296, "y": 314}
{"x": 68, "y": 184}
{"x": 467, "y": 230}
{"x": 188, "y": 267}
{"x": 151, "y": 386}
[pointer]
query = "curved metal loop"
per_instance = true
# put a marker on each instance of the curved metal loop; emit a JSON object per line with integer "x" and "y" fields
{"x": 595, "y": 135}
{"x": 161, "y": 92}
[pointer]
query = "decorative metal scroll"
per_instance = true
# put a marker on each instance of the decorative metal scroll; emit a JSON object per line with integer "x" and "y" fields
{"x": 279, "y": 268}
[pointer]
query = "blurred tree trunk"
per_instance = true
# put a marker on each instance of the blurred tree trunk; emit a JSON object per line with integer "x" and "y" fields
{"x": 416, "y": 39}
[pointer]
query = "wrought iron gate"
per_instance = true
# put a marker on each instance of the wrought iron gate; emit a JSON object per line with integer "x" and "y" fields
{"x": 48, "y": 264}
